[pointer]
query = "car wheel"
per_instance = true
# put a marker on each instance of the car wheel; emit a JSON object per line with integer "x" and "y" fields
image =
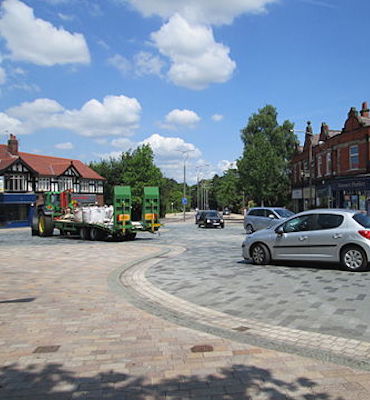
{"x": 249, "y": 229}
{"x": 260, "y": 254}
{"x": 354, "y": 259}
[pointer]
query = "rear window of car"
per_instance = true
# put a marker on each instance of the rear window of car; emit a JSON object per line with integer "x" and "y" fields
{"x": 212, "y": 214}
{"x": 283, "y": 213}
{"x": 362, "y": 219}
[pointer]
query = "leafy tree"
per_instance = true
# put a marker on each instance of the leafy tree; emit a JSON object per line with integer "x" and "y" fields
{"x": 133, "y": 168}
{"x": 264, "y": 166}
{"x": 227, "y": 190}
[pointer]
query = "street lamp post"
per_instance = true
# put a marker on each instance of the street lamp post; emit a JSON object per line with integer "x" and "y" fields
{"x": 200, "y": 192}
{"x": 185, "y": 154}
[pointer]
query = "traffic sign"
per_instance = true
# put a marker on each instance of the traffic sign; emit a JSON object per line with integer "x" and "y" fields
{"x": 184, "y": 201}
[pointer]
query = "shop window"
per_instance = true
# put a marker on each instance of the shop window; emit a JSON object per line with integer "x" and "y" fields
{"x": 354, "y": 157}
{"x": 13, "y": 213}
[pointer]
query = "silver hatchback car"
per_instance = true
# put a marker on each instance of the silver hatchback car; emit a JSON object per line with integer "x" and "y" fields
{"x": 263, "y": 217}
{"x": 325, "y": 235}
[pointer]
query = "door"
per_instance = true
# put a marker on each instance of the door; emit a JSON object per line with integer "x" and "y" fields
{"x": 293, "y": 243}
{"x": 326, "y": 237}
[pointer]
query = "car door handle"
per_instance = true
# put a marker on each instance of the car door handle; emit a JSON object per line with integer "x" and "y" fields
{"x": 337, "y": 235}
{"x": 303, "y": 237}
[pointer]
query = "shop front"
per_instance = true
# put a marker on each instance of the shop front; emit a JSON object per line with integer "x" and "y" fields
{"x": 297, "y": 200}
{"x": 16, "y": 209}
{"x": 324, "y": 197}
{"x": 352, "y": 193}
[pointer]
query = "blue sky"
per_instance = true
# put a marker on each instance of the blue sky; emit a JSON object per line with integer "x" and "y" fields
{"x": 89, "y": 79}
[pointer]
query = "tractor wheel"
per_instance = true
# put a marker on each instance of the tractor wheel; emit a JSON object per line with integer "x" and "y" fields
{"x": 45, "y": 225}
{"x": 35, "y": 225}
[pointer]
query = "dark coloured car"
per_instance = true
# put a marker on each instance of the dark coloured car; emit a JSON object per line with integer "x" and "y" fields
{"x": 210, "y": 219}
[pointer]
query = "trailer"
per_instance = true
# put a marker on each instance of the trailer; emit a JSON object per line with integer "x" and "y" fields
{"x": 62, "y": 210}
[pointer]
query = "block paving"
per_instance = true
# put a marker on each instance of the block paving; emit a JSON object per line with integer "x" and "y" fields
{"x": 61, "y": 296}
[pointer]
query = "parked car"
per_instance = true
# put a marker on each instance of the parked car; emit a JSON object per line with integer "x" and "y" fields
{"x": 262, "y": 217}
{"x": 226, "y": 211}
{"x": 210, "y": 219}
{"x": 326, "y": 235}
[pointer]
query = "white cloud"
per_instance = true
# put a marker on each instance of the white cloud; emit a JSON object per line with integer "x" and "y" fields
{"x": 177, "y": 118}
{"x": 116, "y": 115}
{"x": 64, "y": 146}
{"x": 196, "y": 59}
{"x": 171, "y": 147}
{"x": 169, "y": 155}
{"x": 147, "y": 64}
{"x": 217, "y": 117}
{"x": 121, "y": 63}
{"x": 10, "y": 124}
{"x": 224, "y": 165}
{"x": 2, "y": 76}
{"x": 202, "y": 11}
{"x": 37, "y": 41}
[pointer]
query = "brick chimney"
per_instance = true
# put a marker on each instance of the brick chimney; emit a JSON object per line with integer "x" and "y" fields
{"x": 365, "y": 110}
{"x": 13, "y": 145}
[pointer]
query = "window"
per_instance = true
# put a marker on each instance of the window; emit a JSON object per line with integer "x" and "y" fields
{"x": 43, "y": 185}
{"x": 84, "y": 186}
{"x": 65, "y": 183}
{"x": 329, "y": 221}
{"x": 362, "y": 219}
{"x": 16, "y": 183}
{"x": 353, "y": 157}
{"x": 92, "y": 187}
{"x": 328, "y": 163}
{"x": 298, "y": 224}
{"x": 319, "y": 166}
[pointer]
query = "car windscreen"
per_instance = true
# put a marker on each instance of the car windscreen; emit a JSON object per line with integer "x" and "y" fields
{"x": 283, "y": 213}
{"x": 211, "y": 214}
{"x": 362, "y": 219}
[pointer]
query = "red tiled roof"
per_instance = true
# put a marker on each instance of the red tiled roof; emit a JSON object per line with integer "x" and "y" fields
{"x": 47, "y": 165}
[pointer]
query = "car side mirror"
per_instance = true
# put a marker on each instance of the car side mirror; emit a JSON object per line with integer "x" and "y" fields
{"x": 272, "y": 216}
{"x": 279, "y": 230}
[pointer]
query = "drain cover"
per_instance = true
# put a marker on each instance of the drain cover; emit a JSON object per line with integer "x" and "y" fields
{"x": 241, "y": 329}
{"x": 46, "y": 349}
{"x": 201, "y": 348}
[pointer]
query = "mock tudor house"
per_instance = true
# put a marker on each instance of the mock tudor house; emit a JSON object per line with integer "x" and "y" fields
{"x": 23, "y": 176}
{"x": 332, "y": 169}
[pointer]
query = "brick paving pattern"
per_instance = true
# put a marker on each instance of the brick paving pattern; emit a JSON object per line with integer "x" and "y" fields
{"x": 66, "y": 334}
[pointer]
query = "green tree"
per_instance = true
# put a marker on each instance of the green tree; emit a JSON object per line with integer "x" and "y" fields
{"x": 264, "y": 166}
{"x": 133, "y": 168}
{"x": 227, "y": 190}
